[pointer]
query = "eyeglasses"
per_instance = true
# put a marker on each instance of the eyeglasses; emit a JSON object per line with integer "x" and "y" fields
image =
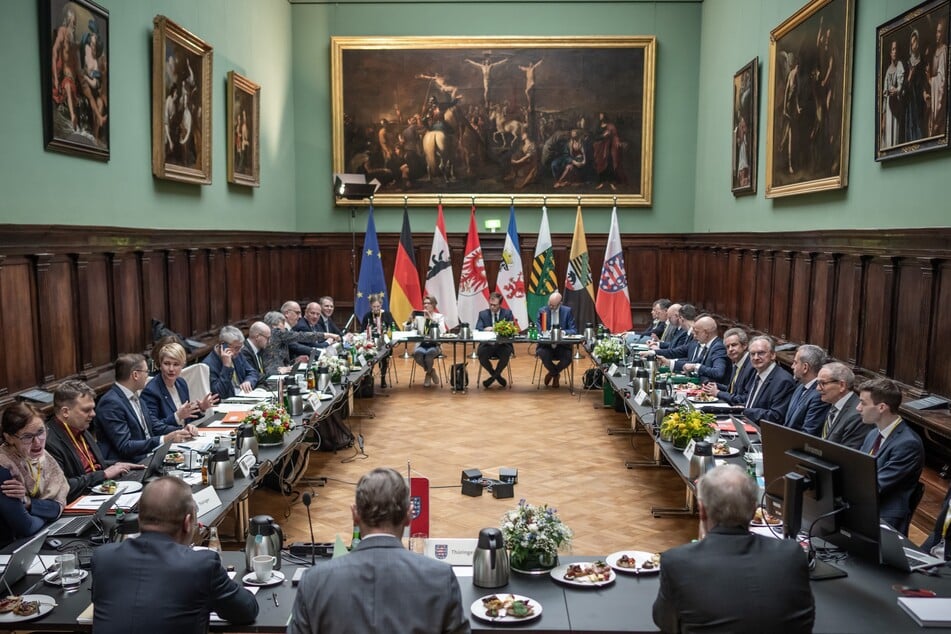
{"x": 27, "y": 439}
{"x": 759, "y": 354}
{"x": 827, "y": 382}
{"x": 144, "y": 370}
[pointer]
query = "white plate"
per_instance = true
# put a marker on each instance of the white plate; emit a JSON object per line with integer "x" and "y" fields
{"x": 123, "y": 486}
{"x": 250, "y": 580}
{"x": 558, "y": 574}
{"x": 47, "y": 603}
{"x": 733, "y": 452}
{"x": 325, "y": 397}
{"x": 477, "y": 609}
{"x": 700, "y": 401}
{"x": 639, "y": 556}
{"x": 52, "y": 578}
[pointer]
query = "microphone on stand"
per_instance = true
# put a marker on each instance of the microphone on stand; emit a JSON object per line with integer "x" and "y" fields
{"x": 306, "y": 500}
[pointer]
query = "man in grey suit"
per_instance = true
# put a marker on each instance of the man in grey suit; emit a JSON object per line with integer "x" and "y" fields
{"x": 157, "y": 583}
{"x": 843, "y": 423}
{"x": 686, "y": 601}
{"x": 380, "y": 586}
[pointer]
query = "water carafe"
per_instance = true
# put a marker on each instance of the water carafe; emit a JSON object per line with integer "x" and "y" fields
{"x": 265, "y": 537}
{"x": 490, "y": 561}
{"x": 702, "y": 459}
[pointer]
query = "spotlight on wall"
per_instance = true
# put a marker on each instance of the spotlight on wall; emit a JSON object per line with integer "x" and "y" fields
{"x": 354, "y": 186}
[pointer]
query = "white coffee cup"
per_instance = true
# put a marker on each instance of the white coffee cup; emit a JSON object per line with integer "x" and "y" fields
{"x": 262, "y": 566}
{"x": 70, "y": 575}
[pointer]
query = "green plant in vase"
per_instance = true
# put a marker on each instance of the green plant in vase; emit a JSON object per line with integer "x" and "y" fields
{"x": 534, "y": 535}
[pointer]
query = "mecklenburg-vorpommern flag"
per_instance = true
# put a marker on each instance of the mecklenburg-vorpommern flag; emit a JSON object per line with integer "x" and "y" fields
{"x": 405, "y": 295}
{"x": 542, "y": 281}
{"x": 614, "y": 302}
{"x": 579, "y": 289}
{"x": 371, "y": 281}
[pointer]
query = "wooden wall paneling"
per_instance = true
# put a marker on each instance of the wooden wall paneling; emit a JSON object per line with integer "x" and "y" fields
{"x": 732, "y": 289}
{"x": 200, "y": 290}
{"x": 875, "y": 315}
{"x": 939, "y": 365}
{"x": 780, "y": 294}
{"x": 746, "y": 291}
{"x": 822, "y": 301}
{"x": 19, "y": 323}
{"x": 57, "y": 301}
{"x": 145, "y": 262}
{"x": 717, "y": 280}
{"x": 643, "y": 273}
{"x": 763, "y": 292}
{"x": 155, "y": 291}
{"x": 250, "y": 290}
{"x": 125, "y": 307}
{"x": 800, "y": 296}
{"x": 912, "y": 316}
{"x": 229, "y": 259}
{"x": 95, "y": 316}
{"x": 281, "y": 278}
{"x": 220, "y": 289}
{"x": 848, "y": 290}
{"x": 179, "y": 292}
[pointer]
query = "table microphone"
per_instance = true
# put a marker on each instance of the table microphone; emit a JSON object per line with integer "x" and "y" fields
{"x": 306, "y": 500}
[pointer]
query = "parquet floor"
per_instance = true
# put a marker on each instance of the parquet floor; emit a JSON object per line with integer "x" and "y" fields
{"x": 558, "y": 443}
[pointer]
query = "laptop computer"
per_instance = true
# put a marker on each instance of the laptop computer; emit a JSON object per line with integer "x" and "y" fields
{"x": 900, "y": 552}
{"x": 78, "y": 525}
{"x": 22, "y": 558}
{"x": 154, "y": 469}
{"x": 741, "y": 434}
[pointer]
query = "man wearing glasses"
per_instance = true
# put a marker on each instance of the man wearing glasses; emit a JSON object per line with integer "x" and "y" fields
{"x": 125, "y": 429}
{"x": 228, "y": 371}
{"x": 488, "y": 349}
{"x": 843, "y": 423}
{"x": 253, "y": 349}
{"x": 771, "y": 387}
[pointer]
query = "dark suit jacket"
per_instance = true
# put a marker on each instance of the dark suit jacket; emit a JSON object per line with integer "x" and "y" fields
{"x": 221, "y": 377}
{"x": 297, "y": 348}
{"x": 154, "y": 584}
{"x": 848, "y": 428}
{"x": 714, "y": 364}
{"x": 741, "y": 389}
{"x": 386, "y": 318}
{"x": 252, "y": 359}
{"x": 565, "y": 318}
{"x": 809, "y": 414}
{"x": 16, "y": 522}
{"x": 728, "y": 582}
{"x": 485, "y": 318}
{"x": 773, "y": 397}
{"x": 936, "y": 535}
{"x": 379, "y": 587}
{"x": 158, "y": 400}
{"x": 61, "y": 448}
{"x": 120, "y": 434}
{"x": 329, "y": 326}
{"x": 654, "y": 328}
{"x": 899, "y": 461}
{"x": 678, "y": 338}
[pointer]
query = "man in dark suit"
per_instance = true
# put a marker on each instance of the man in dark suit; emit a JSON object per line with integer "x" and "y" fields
{"x": 771, "y": 388}
{"x": 556, "y": 358}
{"x": 126, "y": 430}
{"x": 488, "y": 349}
{"x": 69, "y": 441}
{"x": 253, "y": 349}
{"x": 899, "y": 452}
{"x": 705, "y": 356}
{"x": 410, "y": 592}
{"x": 937, "y": 542}
{"x": 734, "y": 392}
{"x": 311, "y": 322}
{"x": 693, "y": 578}
{"x": 807, "y": 411}
{"x": 325, "y": 322}
{"x": 843, "y": 423}
{"x": 655, "y": 330}
{"x": 227, "y": 369}
{"x": 683, "y": 318}
{"x": 157, "y": 582}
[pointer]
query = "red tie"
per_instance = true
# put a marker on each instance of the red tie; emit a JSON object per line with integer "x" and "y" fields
{"x": 876, "y": 445}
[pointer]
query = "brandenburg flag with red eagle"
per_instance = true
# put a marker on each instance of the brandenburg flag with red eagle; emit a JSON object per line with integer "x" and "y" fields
{"x": 473, "y": 284}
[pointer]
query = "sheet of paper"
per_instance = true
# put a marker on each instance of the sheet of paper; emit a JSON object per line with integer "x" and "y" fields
{"x": 402, "y": 335}
{"x": 224, "y": 408}
{"x": 93, "y": 502}
{"x": 482, "y": 335}
{"x": 463, "y": 572}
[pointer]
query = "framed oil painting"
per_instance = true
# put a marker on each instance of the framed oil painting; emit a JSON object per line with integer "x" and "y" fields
{"x": 74, "y": 63}
{"x": 497, "y": 119}
{"x": 745, "y": 128}
{"x": 911, "y": 82}
{"x": 244, "y": 131}
{"x": 810, "y": 99}
{"x": 181, "y": 104}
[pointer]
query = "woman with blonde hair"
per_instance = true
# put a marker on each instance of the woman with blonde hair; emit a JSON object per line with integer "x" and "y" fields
{"x": 166, "y": 396}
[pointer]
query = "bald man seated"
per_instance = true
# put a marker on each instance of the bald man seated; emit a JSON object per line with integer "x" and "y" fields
{"x": 156, "y": 582}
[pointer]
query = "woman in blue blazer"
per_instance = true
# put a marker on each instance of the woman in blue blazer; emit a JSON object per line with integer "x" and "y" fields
{"x": 166, "y": 396}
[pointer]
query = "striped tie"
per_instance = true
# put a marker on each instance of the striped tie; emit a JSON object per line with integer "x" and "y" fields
{"x": 829, "y": 420}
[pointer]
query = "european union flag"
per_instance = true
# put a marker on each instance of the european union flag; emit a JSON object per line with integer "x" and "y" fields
{"x": 371, "y": 280}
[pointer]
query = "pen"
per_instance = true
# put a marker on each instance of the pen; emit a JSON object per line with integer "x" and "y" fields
{"x": 274, "y": 596}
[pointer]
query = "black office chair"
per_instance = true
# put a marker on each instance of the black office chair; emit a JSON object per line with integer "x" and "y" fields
{"x": 913, "y": 502}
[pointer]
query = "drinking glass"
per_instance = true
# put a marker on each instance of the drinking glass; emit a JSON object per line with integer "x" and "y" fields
{"x": 70, "y": 574}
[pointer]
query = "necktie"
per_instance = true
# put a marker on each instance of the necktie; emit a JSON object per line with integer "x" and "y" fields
{"x": 753, "y": 393}
{"x": 663, "y": 335}
{"x": 876, "y": 445}
{"x": 794, "y": 403}
{"x": 736, "y": 374}
{"x": 698, "y": 353}
{"x": 829, "y": 420}
{"x": 493, "y": 318}
{"x": 260, "y": 359}
{"x": 137, "y": 406}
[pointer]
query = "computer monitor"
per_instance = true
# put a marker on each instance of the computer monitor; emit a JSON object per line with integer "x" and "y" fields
{"x": 822, "y": 482}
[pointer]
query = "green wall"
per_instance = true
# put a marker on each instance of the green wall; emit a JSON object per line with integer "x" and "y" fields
{"x": 248, "y": 36}
{"x": 676, "y": 25}
{"x": 906, "y": 192}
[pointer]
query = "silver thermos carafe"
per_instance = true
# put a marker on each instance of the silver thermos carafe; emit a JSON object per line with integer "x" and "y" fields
{"x": 490, "y": 561}
{"x": 702, "y": 459}
{"x": 246, "y": 440}
{"x": 590, "y": 334}
{"x": 265, "y": 537}
{"x": 221, "y": 470}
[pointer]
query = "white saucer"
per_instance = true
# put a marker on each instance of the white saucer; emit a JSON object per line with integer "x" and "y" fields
{"x": 276, "y": 577}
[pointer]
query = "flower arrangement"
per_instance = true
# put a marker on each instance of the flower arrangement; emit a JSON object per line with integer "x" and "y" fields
{"x": 609, "y": 350}
{"x": 504, "y": 328}
{"x": 534, "y": 535}
{"x": 270, "y": 423}
{"x": 684, "y": 425}
{"x": 364, "y": 346}
{"x": 336, "y": 366}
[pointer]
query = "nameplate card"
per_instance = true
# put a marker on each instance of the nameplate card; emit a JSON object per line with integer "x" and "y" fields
{"x": 362, "y": 360}
{"x": 640, "y": 397}
{"x": 612, "y": 371}
{"x": 245, "y": 462}
{"x": 455, "y": 552}
{"x": 688, "y": 452}
{"x": 206, "y": 499}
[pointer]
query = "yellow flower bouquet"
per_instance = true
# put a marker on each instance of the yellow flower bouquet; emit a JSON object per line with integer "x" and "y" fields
{"x": 684, "y": 425}
{"x": 504, "y": 329}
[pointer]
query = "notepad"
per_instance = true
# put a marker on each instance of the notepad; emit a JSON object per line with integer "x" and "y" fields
{"x": 927, "y": 612}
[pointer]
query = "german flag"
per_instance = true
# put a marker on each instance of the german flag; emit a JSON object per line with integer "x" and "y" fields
{"x": 405, "y": 294}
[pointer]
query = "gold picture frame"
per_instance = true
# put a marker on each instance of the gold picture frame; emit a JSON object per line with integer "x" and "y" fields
{"x": 745, "y": 135}
{"x": 244, "y": 131}
{"x": 810, "y": 99}
{"x": 496, "y": 119}
{"x": 181, "y": 104}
